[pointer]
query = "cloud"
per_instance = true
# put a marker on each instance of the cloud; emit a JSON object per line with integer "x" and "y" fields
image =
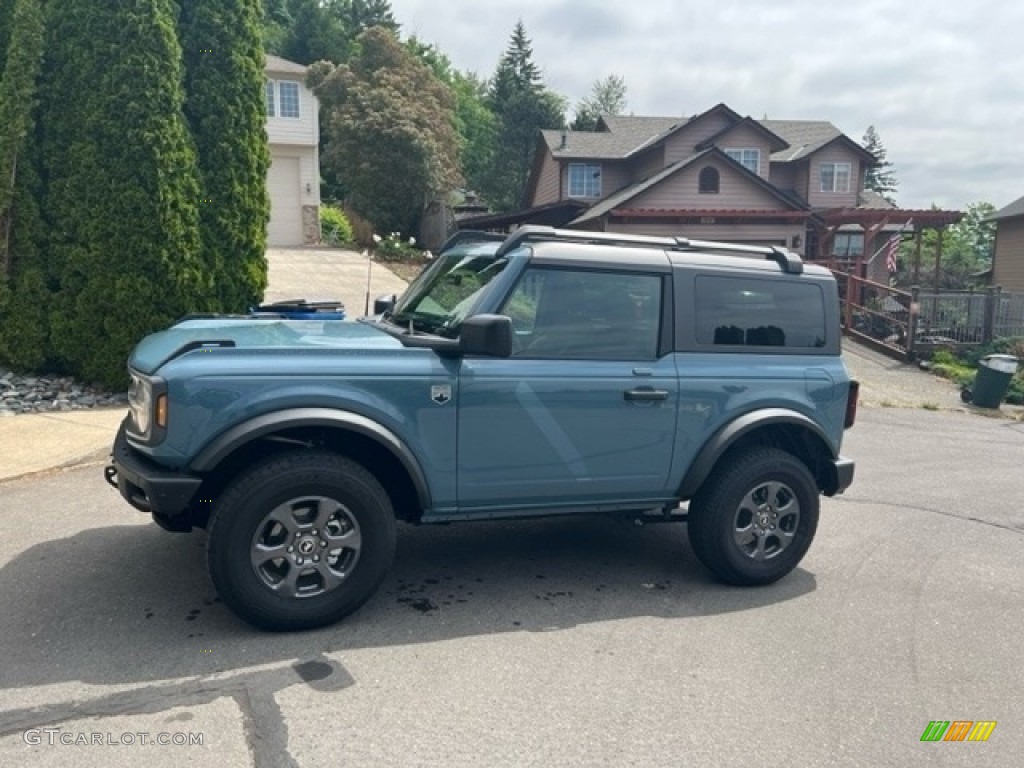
{"x": 941, "y": 81}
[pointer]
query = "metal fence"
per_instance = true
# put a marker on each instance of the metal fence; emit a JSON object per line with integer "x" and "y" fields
{"x": 906, "y": 322}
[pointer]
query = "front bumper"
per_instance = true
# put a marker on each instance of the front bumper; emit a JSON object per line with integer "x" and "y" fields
{"x": 150, "y": 488}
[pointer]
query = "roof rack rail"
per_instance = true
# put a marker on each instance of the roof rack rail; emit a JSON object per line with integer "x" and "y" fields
{"x": 471, "y": 236}
{"x": 531, "y": 233}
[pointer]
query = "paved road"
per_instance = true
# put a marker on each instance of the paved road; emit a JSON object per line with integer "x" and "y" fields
{"x": 548, "y": 643}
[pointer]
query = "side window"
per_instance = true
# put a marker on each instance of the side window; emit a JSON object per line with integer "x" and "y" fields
{"x": 585, "y": 315}
{"x": 732, "y": 311}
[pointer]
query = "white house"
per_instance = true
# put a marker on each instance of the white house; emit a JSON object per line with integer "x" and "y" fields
{"x": 293, "y": 181}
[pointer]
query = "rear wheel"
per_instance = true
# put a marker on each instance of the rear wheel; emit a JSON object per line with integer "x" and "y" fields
{"x": 755, "y": 517}
{"x": 300, "y": 541}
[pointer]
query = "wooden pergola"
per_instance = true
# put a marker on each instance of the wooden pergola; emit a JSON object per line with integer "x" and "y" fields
{"x": 875, "y": 220}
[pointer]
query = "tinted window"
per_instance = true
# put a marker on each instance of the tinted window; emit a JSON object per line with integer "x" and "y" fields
{"x": 735, "y": 311}
{"x": 560, "y": 313}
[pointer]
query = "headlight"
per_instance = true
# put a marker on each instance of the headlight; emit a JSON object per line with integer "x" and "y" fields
{"x": 140, "y": 401}
{"x": 147, "y": 401}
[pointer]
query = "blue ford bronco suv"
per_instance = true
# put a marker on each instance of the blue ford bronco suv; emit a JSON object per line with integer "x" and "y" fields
{"x": 551, "y": 372}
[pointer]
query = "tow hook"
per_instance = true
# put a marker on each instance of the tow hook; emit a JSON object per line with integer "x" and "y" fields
{"x": 110, "y": 474}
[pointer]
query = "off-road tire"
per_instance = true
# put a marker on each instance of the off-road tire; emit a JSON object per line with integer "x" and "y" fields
{"x": 243, "y": 509}
{"x": 724, "y": 502}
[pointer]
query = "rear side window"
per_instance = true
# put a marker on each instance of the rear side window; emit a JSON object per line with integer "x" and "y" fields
{"x": 739, "y": 312}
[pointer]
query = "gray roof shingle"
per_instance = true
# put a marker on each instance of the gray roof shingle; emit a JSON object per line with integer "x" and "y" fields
{"x": 1016, "y": 208}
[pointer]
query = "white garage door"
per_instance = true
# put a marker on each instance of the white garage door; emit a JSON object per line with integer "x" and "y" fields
{"x": 285, "y": 202}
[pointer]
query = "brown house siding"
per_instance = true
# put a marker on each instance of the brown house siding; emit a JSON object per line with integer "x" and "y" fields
{"x": 1008, "y": 267}
{"x": 547, "y": 182}
{"x": 745, "y": 137}
{"x": 736, "y": 191}
{"x": 782, "y": 176}
{"x": 648, "y": 164}
{"x": 614, "y": 176}
{"x": 819, "y": 199}
{"x": 684, "y": 143}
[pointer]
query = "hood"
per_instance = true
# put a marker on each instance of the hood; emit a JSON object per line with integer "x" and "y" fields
{"x": 155, "y": 350}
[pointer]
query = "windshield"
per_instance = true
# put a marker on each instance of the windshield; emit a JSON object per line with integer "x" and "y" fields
{"x": 439, "y": 300}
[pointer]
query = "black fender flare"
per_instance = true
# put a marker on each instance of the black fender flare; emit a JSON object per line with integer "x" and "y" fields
{"x": 227, "y": 442}
{"x": 727, "y": 436}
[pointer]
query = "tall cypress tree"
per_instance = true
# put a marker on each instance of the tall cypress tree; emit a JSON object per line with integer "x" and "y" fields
{"x": 18, "y": 75}
{"x": 225, "y": 110}
{"x": 121, "y": 193}
{"x": 23, "y": 288}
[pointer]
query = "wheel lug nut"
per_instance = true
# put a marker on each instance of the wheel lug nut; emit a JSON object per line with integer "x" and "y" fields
{"x": 323, "y": 543}
{"x": 291, "y": 549}
{"x": 300, "y": 561}
{"x": 316, "y": 558}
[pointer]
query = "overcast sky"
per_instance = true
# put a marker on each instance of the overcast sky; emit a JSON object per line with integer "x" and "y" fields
{"x": 941, "y": 81}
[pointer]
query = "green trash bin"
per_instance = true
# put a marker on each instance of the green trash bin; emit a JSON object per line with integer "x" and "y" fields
{"x": 993, "y": 379}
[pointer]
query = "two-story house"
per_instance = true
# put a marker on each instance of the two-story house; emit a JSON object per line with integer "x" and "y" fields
{"x": 293, "y": 181}
{"x": 722, "y": 176}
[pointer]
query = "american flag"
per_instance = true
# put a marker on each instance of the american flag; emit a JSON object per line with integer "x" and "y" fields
{"x": 891, "y": 249}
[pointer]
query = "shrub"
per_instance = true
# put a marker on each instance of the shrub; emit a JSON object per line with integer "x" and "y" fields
{"x": 394, "y": 248}
{"x": 335, "y": 226}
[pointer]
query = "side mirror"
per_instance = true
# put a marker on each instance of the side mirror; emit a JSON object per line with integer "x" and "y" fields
{"x": 489, "y": 335}
{"x": 383, "y": 304}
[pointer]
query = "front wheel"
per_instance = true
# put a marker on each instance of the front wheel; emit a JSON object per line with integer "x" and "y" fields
{"x": 300, "y": 541}
{"x": 754, "y": 518}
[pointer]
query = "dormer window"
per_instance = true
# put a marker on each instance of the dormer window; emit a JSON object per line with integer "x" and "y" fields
{"x": 835, "y": 177}
{"x": 282, "y": 98}
{"x": 584, "y": 180}
{"x": 708, "y": 181}
{"x": 748, "y": 158}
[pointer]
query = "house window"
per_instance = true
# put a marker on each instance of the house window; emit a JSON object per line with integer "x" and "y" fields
{"x": 268, "y": 93}
{"x": 835, "y": 177}
{"x": 584, "y": 180}
{"x": 748, "y": 158}
{"x": 848, "y": 245}
{"x": 282, "y": 98}
{"x": 708, "y": 181}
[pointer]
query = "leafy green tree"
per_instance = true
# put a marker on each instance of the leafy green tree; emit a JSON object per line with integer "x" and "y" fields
{"x": 326, "y": 30}
{"x": 967, "y": 250}
{"x": 475, "y": 123}
{"x": 120, "y": 202}
{"x": 17, "y": 99}
{"x": 880, "y": 178}
{"x": 523, "y": 107}
{"x": 389, "y": 131}
{"x": 276, "y": 21}
{"x": 607, "y": 97}
{"x": 6, "y": 14}
{"x": 225, "y": 109}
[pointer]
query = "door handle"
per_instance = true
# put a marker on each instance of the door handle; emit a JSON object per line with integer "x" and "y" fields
{"x": 645, "y": 395}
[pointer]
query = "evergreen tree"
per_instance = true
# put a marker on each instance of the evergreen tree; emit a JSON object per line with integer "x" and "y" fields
{"x": 276, "y": 21}
{"x": 607, "y": 97}
{"x": 226, "y": 113}
{"x": 18, "y": 78}
{"x": 516, "y": 71}
{"x": 121, "y": 193}
{"x": 880, "y": 178}
{"x": 523, "y": 106}
{"x": 326, "y": 30}
{"x": 389, "y": 131}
